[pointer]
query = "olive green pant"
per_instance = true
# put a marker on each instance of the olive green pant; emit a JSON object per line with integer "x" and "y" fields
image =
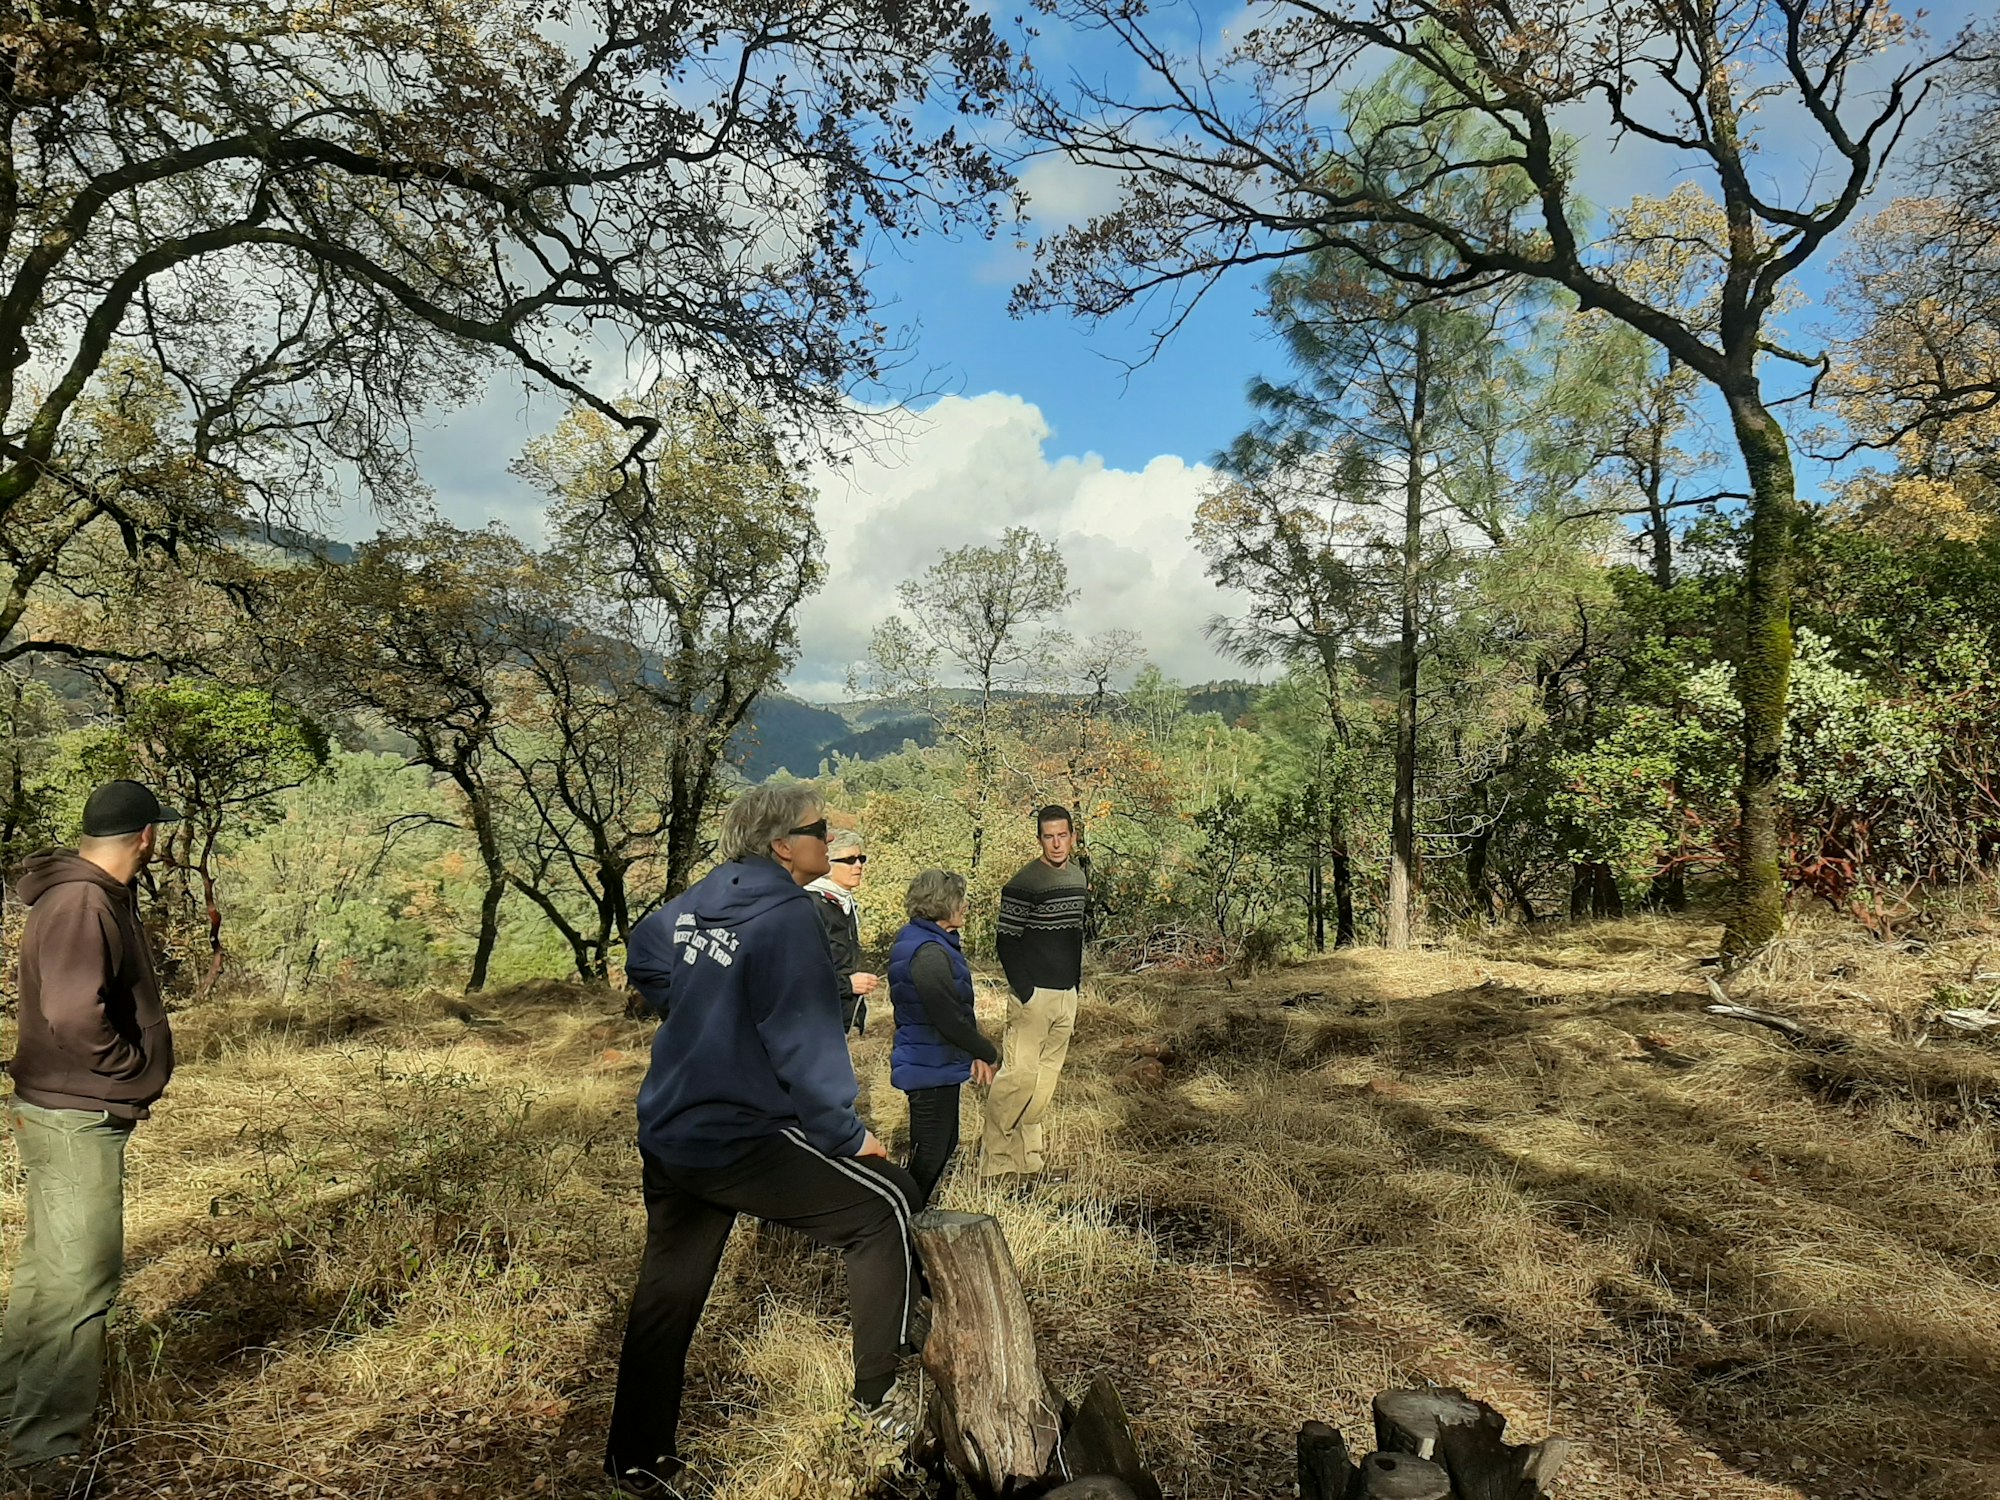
{"x": 1031, "y": 1061}
{"x": 72, "y": 1257}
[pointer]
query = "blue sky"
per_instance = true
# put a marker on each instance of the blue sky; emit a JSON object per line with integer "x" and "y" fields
{"x": 1044, "y": 420}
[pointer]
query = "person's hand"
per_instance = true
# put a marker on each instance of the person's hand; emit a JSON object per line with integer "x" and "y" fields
{"x": 872, "y": 1147}
{"x": 865, "y": 984}
{"x": 982, "y": 1073}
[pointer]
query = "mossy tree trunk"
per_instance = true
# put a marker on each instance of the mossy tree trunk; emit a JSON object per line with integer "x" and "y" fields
{"x": 1763, "y": 679}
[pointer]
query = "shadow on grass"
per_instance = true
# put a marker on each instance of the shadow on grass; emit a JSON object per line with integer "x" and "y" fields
{"x": 1721, "y": 1319}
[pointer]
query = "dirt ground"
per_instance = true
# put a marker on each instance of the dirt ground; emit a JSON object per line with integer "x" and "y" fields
{"x": 378, "y": 1245}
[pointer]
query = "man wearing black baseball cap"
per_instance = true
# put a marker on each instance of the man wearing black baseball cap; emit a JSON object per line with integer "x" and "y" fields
{"x": 93, "y": 1053}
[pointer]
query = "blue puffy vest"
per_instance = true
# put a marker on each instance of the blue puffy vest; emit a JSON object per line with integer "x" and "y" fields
{"x": 921, "y": 1057}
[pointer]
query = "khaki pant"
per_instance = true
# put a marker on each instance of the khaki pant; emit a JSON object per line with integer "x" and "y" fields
{"x": 1032, "y": 1056}
{"x": 71, "y": 1260}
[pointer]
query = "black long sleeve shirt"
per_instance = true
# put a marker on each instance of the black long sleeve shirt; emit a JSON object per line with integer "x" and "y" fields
{"x": 937, "y": 988}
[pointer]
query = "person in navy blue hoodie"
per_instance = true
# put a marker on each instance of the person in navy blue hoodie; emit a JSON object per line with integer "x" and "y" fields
{"x": 938, "y": 1045}
{"x": 748, "y": 1107}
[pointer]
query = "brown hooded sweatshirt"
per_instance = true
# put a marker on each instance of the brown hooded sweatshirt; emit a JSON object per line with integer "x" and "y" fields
{"x": 93, "y": 1033}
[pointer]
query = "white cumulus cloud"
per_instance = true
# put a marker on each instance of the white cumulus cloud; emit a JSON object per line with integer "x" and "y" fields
{"x": 961, "y": 473}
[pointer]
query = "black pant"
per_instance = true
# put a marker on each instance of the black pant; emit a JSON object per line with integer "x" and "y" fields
{"x": 933, "y": 1135}
{"x": 861, "y": 1206}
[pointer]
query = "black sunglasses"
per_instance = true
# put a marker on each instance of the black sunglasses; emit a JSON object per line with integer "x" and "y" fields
{"x": 850, "y": 859}
{"x": 811, "y": 831}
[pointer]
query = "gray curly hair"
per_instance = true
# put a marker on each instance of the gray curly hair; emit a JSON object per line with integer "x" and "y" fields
{"x": 934, "y": 895}
{"x": 765, "y": 813}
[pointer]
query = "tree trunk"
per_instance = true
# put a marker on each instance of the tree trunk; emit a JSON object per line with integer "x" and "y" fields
{"x": 683, "y": 822}
{"x": 1669, "y": 892}
{"x": 1478, "y": 883}
{"x": 489, "y": 933}
{"x": 496, "y": 874}
{"x": 1606, "y": 900}
{"x": 998, "y": 1415}
{"x": 1343, "y": 889}
{"x": 1316, "y": 899}
{"x": 1097, "y": 1445}
{"x": 579, "y": 945}
{"x": 1398, "y": 1476}
{"x": 1403, "y": 809}
{"x": 1336, "y": 811}
{"x": 1757, "y": 912}
{"x": 1659, "y": 532}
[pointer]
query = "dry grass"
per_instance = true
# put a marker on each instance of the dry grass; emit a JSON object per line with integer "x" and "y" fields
{"x": 379, "y": 1258}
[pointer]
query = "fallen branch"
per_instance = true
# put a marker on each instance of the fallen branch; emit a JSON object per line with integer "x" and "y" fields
{"x": 1969, "y": 1020}
{"x": 1796, "y": 1032}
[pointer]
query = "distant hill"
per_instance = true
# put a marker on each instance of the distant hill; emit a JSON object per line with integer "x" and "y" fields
{"x": 1230, "y": 699}
{"x": 884, "y": 738}
{"x": 784, "y": 733}
{"x": 798, "y": 737}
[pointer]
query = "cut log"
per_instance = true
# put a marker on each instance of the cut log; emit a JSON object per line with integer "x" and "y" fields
{"x": 998, "y": 1417}
{"x": 1467, "y": 1439}
{"x": 1410, "y": 1421}
{"x": 1094, "y": 1487}
{"x": 1097, "y": 1440}
{"x": 1544, "y": 1461}
{"x": 1324, "y": 1468}
{"x": 1399, "y": 1476}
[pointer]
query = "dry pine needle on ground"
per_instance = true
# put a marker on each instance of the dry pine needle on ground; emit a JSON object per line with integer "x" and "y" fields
{"x": 379, "y": 1251}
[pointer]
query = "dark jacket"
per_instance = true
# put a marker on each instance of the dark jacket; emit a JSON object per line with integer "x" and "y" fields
{"x": 93, "y": 1032}
{"x": 937, "y": 1035}
{"x": 750, "y": 1044}
{"x": 842, "y": 925}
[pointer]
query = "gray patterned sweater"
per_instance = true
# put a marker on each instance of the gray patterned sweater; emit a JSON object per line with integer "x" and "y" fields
{"x": 1039, "y": 941}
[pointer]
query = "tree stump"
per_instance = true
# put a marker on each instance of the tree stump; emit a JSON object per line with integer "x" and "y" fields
{"x": 1466, "y": 1437}
{"x": 998, "y": 1417}
{"x": 1399, "y": 1476}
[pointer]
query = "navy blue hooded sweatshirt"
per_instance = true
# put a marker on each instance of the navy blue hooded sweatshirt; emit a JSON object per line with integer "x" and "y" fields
{"x": 750, "y": 1043}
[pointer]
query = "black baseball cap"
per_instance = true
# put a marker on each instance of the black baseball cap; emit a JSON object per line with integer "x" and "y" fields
{"x": 123, "y": 807}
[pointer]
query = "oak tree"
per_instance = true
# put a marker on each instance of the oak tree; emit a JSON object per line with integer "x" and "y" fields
{"x": 1246, "y": 155}
{"x": 309, "y": 225}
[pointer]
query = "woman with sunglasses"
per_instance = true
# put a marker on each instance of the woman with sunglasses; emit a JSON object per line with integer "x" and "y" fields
{"x": 841, "y": 918}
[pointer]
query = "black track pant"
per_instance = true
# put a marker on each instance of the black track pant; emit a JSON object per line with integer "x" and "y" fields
{"x": 860, "y": 1206}
{"x": 933, "y": 1135}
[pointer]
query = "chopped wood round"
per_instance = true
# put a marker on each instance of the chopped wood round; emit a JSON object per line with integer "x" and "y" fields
{"x": 1324, "y": 1469}
{"x": 1400, "y": 1476}
{"x": 1098, "y": 1442}
{"x": 1467, "y": 1439}
{"x": 1411, "y": 1421}
{"x": 1093, "y": 1487}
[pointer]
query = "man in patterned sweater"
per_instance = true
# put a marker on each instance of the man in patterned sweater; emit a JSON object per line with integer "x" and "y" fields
{"x": 1040, "y": 946}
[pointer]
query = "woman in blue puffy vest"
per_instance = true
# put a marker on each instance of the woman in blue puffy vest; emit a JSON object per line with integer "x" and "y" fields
{"x": 938, "y": 1045}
